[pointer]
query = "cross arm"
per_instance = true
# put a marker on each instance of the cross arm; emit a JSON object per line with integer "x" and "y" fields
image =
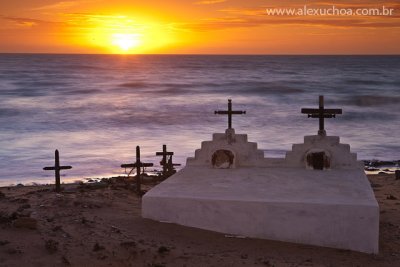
{"x": 239, "y": 112}
{"x": 221, "y": 112}
{"x": 134, "y": 165}
{"x": 129, "y": 165}
{"x": 316, "y": 111}
{"x": 323, "y": 116}
{"x": 49, "y": 168}
{"x": 162, "y": 153}
{"x": 65, "y": 167}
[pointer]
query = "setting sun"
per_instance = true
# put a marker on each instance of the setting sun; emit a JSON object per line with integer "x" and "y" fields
{"x": 125, "y": 42}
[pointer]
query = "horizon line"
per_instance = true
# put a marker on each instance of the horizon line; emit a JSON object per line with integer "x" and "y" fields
{"x": 188, "y": 54}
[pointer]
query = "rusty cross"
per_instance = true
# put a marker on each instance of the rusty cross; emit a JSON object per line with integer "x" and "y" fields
{"x": 138, "y": 164}
{"x": 229, "y": 112}
{"x": 57, "y": 168}
{"x": 166, "y": 163}
{"x": 321, "y": 113}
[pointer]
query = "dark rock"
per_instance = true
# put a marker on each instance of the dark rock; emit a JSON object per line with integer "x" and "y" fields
{"x": 391, "y": 197}
{"x": 397, "y": 174}
{"x": 115, "y": 229}
{"x": 25, "y": 222}
{"x": 371, "y": 169}
{"x": 97, "y": 247}
{"x": 14, "y": 215}
{"x": 57, "y": 228}
{"x": 24, "y": 213}
{"x": 2, "y": 195}
{"x": 19, "y": 185}
{"x": 4, "y": 242}
{"x": 382, "y": 173}
{"x": 51, "y": 246}
{"x": 128, "y": 244}
{"x": 13, "y": 251}
{"x": 21, "y": 200}
{"x": 65, "y": 260}
{"x": 23, "y": 207}
{"x": 378, "y": 163}
{"x": 4, "y": 217}
{"x": 163, "y": 250}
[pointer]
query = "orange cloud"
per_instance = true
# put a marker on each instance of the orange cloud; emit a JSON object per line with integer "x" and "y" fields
{"x": 209, "y": 2}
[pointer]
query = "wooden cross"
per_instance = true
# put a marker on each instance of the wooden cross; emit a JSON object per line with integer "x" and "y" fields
{"x": 57, "y": 168}
{"x": 321, "y": 113}
{"x": 230, "y": 112}
{"x": 168, "y": 166}
{"x": 138, "y": 164}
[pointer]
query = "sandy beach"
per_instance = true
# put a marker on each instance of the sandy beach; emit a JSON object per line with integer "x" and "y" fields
{"x": 100, "y": 225}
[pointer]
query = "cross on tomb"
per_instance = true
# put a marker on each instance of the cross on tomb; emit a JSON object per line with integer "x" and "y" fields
{"x": 229, "y": 112}
{"x": 166, "y": 163}
{"x": 57, "y": 168}
{"x": 138, "y": 164}
{"x": 321, "y": 113}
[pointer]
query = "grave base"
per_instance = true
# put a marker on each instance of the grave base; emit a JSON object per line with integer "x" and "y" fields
{"x": 334, "y": 208}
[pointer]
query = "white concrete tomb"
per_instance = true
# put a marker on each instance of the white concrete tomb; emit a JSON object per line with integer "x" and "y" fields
{"x": 318, "y": 194}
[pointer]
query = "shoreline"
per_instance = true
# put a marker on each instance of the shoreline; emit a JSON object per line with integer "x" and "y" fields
{"x": 371, "y": 167}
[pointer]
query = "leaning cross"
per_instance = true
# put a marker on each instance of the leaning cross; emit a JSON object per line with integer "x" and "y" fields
{"x": 230, "y": 112}
{"x": 57, "y": 168}
{"x": 167, "y": 164}
{"x": 321, "y": 113}
{"x": 138, "y": 164}
{"x": 164, "y": 154}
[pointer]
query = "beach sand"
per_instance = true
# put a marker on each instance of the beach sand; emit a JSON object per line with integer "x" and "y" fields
{"x": 102, "y": 226}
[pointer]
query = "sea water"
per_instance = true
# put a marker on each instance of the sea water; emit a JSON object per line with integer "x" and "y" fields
{"x": 97, "y": 108}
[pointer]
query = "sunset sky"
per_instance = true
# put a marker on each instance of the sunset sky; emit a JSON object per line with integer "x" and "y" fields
{"x": 194, "y": 27}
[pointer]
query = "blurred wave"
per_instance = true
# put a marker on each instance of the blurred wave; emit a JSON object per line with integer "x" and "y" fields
{"x": 97, "y": 108}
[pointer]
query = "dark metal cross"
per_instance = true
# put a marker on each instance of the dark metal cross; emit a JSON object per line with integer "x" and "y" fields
{"x": 57, "y": 168}
{"x": 168, "y": 166}
{"x": 321, "y": 113}
{"x": 138, "y": 164}
{"x": 230, "y": 112}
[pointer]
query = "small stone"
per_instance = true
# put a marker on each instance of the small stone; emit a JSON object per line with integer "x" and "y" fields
{"x": 51, "y": 246}
{"x": 23, "y": 207}
{"x": 4, "y": 242}
{"x": 397, "y": 174}
{"x": 2, "y": 195}
{"x": 391, "y": 197}
{"x": 65, "y": 260}
{"x": 375, "y": 185}
{"x": 13, "y": 251}
{"x": 57, "y": 228}
{"x": 97, "y": 247}
{"x": 4, "y": 217}
{"x": 25, "y": 222}
{"x": 128, "y": 244}
{"x": 163, "y": 250}
{"x": 244, "y": 256}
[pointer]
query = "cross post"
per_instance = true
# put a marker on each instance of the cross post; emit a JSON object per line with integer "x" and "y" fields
{"x": 321, "y": 113}
{"x": 166, "y": 163}
{"x": 138, "y": 164}
{"x": 57, "y": 168}
{"x": 164, "y": 160}
{"x": 229, "y": 112}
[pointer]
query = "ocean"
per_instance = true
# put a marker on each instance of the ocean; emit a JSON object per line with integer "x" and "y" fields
{"x": 97, "y": 108}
